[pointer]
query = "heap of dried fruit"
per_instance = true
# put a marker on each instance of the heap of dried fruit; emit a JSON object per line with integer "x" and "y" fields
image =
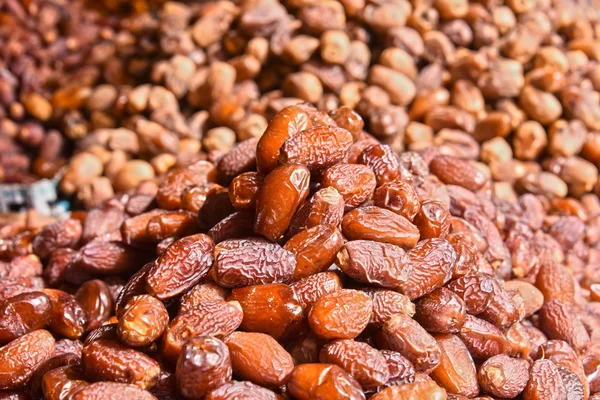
{"x": 314, "y": 263}
{"x": 514, "y": 85}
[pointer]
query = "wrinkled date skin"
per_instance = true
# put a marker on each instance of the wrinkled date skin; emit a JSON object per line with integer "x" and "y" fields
{"x": 241, "y": 390}
{"x": 380, "y": 225}
{"x": 433, "y": 261}
{"x": 60, "y": 234}
{"x": 143, "y": 320}
{"x": 243, "y": 190}
{"x": 238, "y": 160}
{"x": 67, "y": 318}
{"x": 22, "y": 314}
{"x": 404, "y": 335}
{"x": 544, "y": 382}
{"x": 284, "y": 125}
{"x": 323, "y": 381}
{"x": 15, "y": 367}
{"x": 387, "y": 303}
{"x": 252, "y": 261}
{"x": 413, "y": 391}
{"x": 366, "y": 364}
{"x": 169, "y": 191}
{"x": 504, "y": 376}
{"x": 112, "y": 390}
{"x": 379, "y": 264}
{"x": 280, "y": 195}
{"x": 315, "y": 249}
{"x": 441, "y": 311}
{"x": 310, "y": 289}
{"x": 172, "y": 223}
{"x": 203, "y": 365}
{"x": 456, "y": 370}
{"x": 112, "y": 361}
{"x": 399, "y": 197}
{"x": 343, "y": 314}
{"x": 316, "y": 148}
{"x": 483, "y": 339}
{"x": 433, "y": 220}
{"x": 454, "y": 171}
{"x": 95, "y": 299}
{"x": 182, "y": 265}
{"x": 212, "y": 318}
{"x": 258, "y": 358}
{"x": 200, "y": 293}
{"x": 382, "y": 160}
{"x": 355, "y": 182}
{"x": 270, "y": 308}
{"x": 325, "y": 207}
{"x": 62, "y": 382}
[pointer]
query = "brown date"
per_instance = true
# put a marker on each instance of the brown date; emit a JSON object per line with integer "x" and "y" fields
{"x": 57, "y": 361}
{"x": 441, "y": 311}
{"x": 366, "y": 364}
{"x": 315, "y": 249}
{"x": 16, "y": 368}
{"x": 503, "y": 376}
{"x": 241, "y": 391}
{"x": 271, "y": 308}
{"x": 413, "y": 391}
{"x": 557, "y": 321}
{"x": 310, "y": 289}
{"x": 22, "y": 314}
{"x": 387, "y": 303}
{"x": 113, "y": 391}
{"x": 455, "y": 171}
{"x": 95, "y": 299}
{"x": 544, "y": 382}
{"x": 375, "y": 263}
{"x": 399, "y": 197}
{"x": 60, "y": 234}
{"x": 325, "y": 207}
{"x": 380, "y": 225}
{"x": 67, "y": 318}
{"x": 143, "y": 319}
{"x": 404, "y": 335}
{"x": 111, "y": 361}
{"x": 258, "y": 358}
{"x": 433, "y": 220}
{"x": 483, "y": 339}
{"x": 343, "y": 314}
{"x": 456, "y": 370}
{"x": 211, "y": 318}
{"x": 105, "y": 258}
{"x": 181, "y": 266}
{"x": 169, "y": 191}
{"x": 171, "y": 223}
{"x": 236, "y": 161}
{"x": 63, "y": 382}
{"x": 354, "y": 182}
{"x": 240, "y": 224}
{"x": 200, "y": 293}
{"x": 433, "y": 262}
{"x": 382, "y": 160}
{"x": 401, "y": 370}
{"x": 287, "y": 123}
{"x": 316, "y": 148}
{"x": 280, "y": 195}
{"x": 323, "y": 381}
{"x": 251, "y": 261}
{"x": 203, "y": 365}
{"x": 243, "y": 190}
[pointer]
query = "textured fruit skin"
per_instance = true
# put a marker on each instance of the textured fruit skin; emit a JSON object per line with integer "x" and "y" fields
{"x": 544, "y": 382}
{"x": 382, "y": 160}
{"x": 20, "y": 358}
{"x": 503, "y": 376}
{"x": 200, "y": 293}
{"x": 258, "y": 358}
{"x": 169, "y": 191}
{"x": 441, "y": 311}
{"x": 404, "y": 335}
{"x": 433, "y": 220}
{"x": 366, "y": 364}
{"x": 557, "y": 321}
{"x": 95, "y": 299}
{"x": 203, "y": 365}
{"x": 238, "y": 160}
{"x": 378, "y": 264}
{"x": 326, "y": 381}
{"x": 243, "y": 190}
{"x": 280, "y": 195}
{"x": 433, "y": 262}
{"x": 387, "y": 303}
{"x": 211, "y": 318}
{"x": 343, "y": 314}
{"x": 315, "y": 249}
{"x": 251, "y": 261}
{"x": 316, "y": 148}
{"x": 62, "y": 382}
{"x": 399, "y": 197}
{"x": 380, "y": 225}
{"x": 22, "y": 314}
{"x": 310, "y": 289}
{"x": 325, "y": 207}
{"x": 142, "y": 321}
{"x": 111, "y": 361}
{"x": 181, "y": 266}
{"x": 270, "y": 308}
{"x": 60, "y": 234}
{"x": 242, "y": 391}
{"x": 284, "y": 125}
{"x": 483, "y": 339}
{"x": 112, "y": 390}
{"x": 412, "y": 391}
{"x": 67, "y": 318}
{"x": 354, "y": 182}
{"x": 456, "y": 371}
{"x": 454, "y": 171}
